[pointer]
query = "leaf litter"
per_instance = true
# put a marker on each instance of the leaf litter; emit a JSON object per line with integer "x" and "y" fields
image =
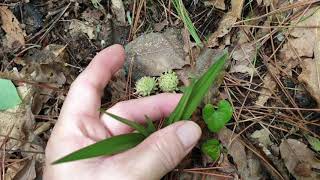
{"x": 300, "y": 161}
{"x": 273, "y": 51}
{"x": 15, "y": 36}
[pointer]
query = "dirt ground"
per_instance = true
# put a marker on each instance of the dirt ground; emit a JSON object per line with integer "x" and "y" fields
{"x": 272, "y": 78}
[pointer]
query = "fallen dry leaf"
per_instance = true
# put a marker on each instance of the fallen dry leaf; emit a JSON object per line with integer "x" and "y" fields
{"x": 238, "y": 152}
{"x": 263, "y": 136}
{"x": 14, "y": 34}
{"x": 243, "y": 57}
{"x": 310, "y": 77}
{"x": 235, "y": 149}
{"x": 77, "y": 27}
{"x": 224, "y": 28}
{"x": 154, "y": 53}
{"x": 119, "y": 11}
{"x": 226, "y": 23}
{"x": 158, "y": 27}
{"x": 42, "y": 127}
{"x": 299, "y": 160}
{"x": 92, "y": 16}
{"x": 28, "y": 172}
{"x": 302, "y": 41}
{"x": 219, "y": 4}
{"x": 236, "y": 9}
{"x": 20, "y": 120}
{"x": 268, "y": 2}
{"x": 46, "y": 65}
{"x": 268, "y": 86}
{"x": 12, "y": 170}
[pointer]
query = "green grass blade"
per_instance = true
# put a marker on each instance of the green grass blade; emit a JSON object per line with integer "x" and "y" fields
{"x": 194, "y": 94}
{"x": 141, "y": 129}
{"x": 184, "y": 15}
{"x": 203, "y": 85}
{"x": 178, "y": 111}
{"x": 150, "y": 126}
{"x": 105, "y": 147}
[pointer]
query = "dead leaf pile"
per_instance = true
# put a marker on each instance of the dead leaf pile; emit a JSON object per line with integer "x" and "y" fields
{"x": 263, "y": 136}
{"x": 301, "y": 42}
{"x": 300, "y": 161}
{"x": 14, "y": 34}
{"x": 45, "y": 66}
{"x": 303, "y": 48}
{"x": 310, "y": 77}
{"x": 268, "y": 2}
{"x": 226, "y": 23}
{"x": 28, "y": 171}
{"x": 91, "y": 25}
{"x": 248, "y": 165}
{"x": 77, "y": 27}
{"x": 118, "y": 11}
{"x": 18, "y": 122}
{"x": 219, "y": 4}
{"x": 269, "y": 85}
{"x": 244, "y": 57}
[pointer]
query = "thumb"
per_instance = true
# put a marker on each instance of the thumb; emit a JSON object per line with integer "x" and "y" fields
{"x": 163, "y": 150}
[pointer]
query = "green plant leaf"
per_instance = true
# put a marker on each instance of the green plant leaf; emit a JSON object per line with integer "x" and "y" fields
{"x": 211, "y": 148}
{"x": 9, "y": 97}
{"x": 141, "y": 129}
{"x": 314, "y": 142}
{"x": 207, "y": 111}
{"x": 184, "y": 15}
{"x": 178, "y": 111}
{"x": 150, "y": 126}
{"x": 217, "y": 118}
{"x": 203, "y": 85}
{"x": 105, "y": 147}
{"x": 194, "y": 93}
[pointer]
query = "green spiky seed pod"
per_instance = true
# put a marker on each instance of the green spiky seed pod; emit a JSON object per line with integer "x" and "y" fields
{"x": 146, "y": 85}
{"x": 168, "y": 82}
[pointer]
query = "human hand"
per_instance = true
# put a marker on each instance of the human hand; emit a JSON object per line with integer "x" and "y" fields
{"x": 80, "y": 124}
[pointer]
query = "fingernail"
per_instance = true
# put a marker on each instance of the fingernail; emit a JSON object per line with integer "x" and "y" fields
{"x": 188, "y": 133}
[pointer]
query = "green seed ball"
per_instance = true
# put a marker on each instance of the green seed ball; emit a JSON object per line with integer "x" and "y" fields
{"x": 146, "y": 85}
{"x": 168, "y": 82}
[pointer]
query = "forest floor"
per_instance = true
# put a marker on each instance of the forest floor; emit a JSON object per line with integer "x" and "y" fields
{"x": 272, "y": 79}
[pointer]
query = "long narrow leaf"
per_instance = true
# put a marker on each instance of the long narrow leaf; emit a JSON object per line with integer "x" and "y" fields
{"x": 178, "y": 111}
{"x": 150, "y": 126}
{"x": 184, "y": 15}
{"x": 141, "y": 129}
{"x": 194, "y": 94}
{"x": 203, "y": 85}
{"x": 105, "y": 147}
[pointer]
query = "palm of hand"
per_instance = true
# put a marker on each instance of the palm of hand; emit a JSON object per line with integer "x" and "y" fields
{"x": 80, "y": 124}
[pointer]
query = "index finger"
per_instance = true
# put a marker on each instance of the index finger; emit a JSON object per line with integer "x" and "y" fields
{"x": 85, "y": 93}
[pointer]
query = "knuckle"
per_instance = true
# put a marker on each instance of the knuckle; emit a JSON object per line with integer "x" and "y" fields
{"x": 168, "y": 151}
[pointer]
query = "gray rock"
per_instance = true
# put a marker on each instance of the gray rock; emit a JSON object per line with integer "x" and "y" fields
{"x": 154, "y": 53}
